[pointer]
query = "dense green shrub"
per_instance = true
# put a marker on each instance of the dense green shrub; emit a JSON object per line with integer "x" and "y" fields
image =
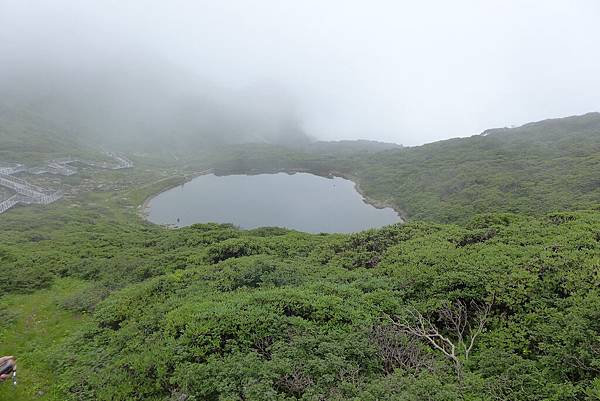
{"x": 212, "y": 312}
{"x": 233, "y": 248}
{"x": 253, "y": 272}
{"x": 319, "y": 326}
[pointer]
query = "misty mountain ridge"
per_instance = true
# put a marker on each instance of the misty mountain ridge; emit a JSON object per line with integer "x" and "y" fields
{"x": 552, "y": 126}
{"x": 146, "y": 108}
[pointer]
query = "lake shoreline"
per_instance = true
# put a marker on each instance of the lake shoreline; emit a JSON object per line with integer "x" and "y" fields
{"x": 379, "y": 204}
{"x": 143, "y": 211}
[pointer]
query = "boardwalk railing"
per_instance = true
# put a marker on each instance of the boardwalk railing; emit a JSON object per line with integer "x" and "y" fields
{"x": 60, "y": 166}
{"x": 44, "y": 199}
{"x": 122, "y": 161}
{"x": 61, "y": 169}
{"x": 8, "y": 203}
{"x": 26, "y": 193}
{"x": 12, "y": 170}
{"x": 21, "y": 186}
{"x": 41, "y": 200}
{"x": 47, "y": 199}
{"x": 32, "y": 194}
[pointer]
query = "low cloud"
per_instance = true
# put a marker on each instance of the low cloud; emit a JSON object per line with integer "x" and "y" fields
{"x": 284, "y": 71}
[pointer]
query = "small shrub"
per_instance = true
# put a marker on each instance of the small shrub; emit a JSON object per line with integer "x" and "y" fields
{"x": 86, "y": 299}
{"x": 233, "y": 248}
{"x": 476, "y": 237}
{"x": 253, "y": 272}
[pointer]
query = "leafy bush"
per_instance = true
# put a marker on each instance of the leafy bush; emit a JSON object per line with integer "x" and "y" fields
{"x": 253, "y": 272}
{"x": 251, "y": 324}
{"x": 233, "y": 248}
{"x": 86, "y": 299}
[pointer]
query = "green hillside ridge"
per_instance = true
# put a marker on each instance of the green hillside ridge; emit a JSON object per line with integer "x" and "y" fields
{"x": 537, "y": 168}
{"x": 99, "y": 304}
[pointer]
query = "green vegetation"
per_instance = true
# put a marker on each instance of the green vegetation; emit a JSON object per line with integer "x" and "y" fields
{"x": 537, "y": 168}
{"x": 33, "y": 326}
{"x": 100, "y": 305}
{"x": 125, "y": 310}
{"x": 291, "y": 317}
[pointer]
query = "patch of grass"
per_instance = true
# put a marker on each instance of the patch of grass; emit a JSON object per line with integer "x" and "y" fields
{"x": 32, "y": 326}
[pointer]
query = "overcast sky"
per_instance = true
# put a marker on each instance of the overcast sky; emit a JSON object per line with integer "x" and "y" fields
{"x": 410, "y": 72}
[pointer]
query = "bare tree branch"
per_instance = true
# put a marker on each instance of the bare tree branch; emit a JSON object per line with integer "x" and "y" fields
{"x": 456, "y": 321}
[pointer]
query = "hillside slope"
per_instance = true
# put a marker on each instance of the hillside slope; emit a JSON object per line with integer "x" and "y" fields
{"x": 101, "y": 305}
{"x": 130, "y": 311}
{"x": 27, "y": 137}
{"x": 537, "y": 168}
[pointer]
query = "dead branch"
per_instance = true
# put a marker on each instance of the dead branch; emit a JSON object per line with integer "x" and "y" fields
{"x": 399, "y": 350}
{"x": 461, "y": 325}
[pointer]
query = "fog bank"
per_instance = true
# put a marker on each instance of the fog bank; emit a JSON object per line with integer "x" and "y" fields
{"x": 281, "y": 71}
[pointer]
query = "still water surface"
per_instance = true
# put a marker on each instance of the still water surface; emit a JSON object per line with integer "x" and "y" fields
{"x": 304, "y": 202}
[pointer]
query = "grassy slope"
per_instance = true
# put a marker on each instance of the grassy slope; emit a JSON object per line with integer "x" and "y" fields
{"x": 37, "y": 244}
{"x": 33, "y": 327}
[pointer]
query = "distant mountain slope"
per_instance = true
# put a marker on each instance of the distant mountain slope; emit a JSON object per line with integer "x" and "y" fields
{"x": 539, "y": 167}
{"x": 143, "y": 109}
{"x": 28, "y": 137}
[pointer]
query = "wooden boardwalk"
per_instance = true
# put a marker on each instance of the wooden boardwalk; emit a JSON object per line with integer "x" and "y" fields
{"x": 27, "y": 193}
